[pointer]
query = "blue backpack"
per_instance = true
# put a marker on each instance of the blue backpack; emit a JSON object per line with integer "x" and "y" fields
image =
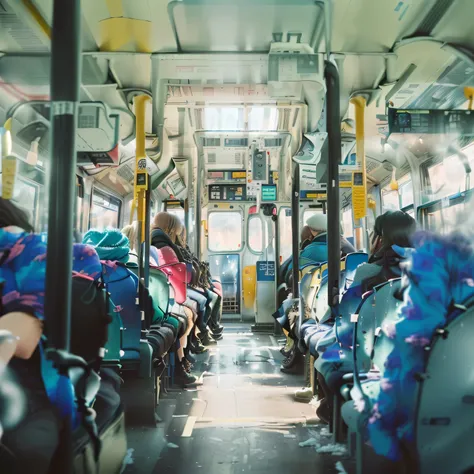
{"x": 122, "y": 285}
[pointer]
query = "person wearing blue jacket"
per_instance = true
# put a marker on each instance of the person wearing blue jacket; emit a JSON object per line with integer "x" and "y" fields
{"x": 332, "y": 338}
{"x": 315, "y": 250}
{"x": 439, "y": 273}
{"x": 50, "y": 396}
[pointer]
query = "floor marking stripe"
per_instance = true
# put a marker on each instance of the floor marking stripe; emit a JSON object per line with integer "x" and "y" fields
{"x": 189, "y": 426}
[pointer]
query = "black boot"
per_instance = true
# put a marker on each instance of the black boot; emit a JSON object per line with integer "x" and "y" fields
{"x": 182, "y": 377}
{"x": 206, "y": 338}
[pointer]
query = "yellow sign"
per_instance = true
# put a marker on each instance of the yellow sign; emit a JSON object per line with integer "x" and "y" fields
{"x": 8, "y": 176}
{"x": 239, "y": 174}
{"x": 316, "y": 196}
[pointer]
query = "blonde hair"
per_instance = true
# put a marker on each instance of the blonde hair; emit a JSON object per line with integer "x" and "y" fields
{"x": 131, "y": 232}
{"x": 169, "y": 224}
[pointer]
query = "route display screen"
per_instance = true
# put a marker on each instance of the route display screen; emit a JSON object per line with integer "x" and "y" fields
{"x": 227, "y": 192}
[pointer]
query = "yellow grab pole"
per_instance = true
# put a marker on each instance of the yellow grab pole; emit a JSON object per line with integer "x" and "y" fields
{"x": 36, "y": 15}
{"x": 359, "y": 179}
{"x": 141, "y": 174}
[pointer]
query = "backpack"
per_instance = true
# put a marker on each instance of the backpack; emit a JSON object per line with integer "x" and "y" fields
{"x": 122, "y": 284}
{"x": 90, "y": 318}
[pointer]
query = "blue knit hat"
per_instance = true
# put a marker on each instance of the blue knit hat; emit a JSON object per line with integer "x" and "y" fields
{"x": 109, "y": 244}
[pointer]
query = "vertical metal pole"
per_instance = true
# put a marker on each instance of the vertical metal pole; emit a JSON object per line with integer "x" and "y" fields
{"x": 65, "y": 82}
{"x": 295, "y": 224}
{"x": 277, "y": 327}
{"x": 146, "y": 262}
{"x": 198, "y": 210}
{"x": 334, "y": 232}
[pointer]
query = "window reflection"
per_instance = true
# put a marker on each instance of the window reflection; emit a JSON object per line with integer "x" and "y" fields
{"x": 225, "y": 231}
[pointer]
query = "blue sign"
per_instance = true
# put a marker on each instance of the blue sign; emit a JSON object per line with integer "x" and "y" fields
{"x": 265, "y": 271}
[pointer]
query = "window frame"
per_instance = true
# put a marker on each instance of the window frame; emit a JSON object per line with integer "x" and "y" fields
{"x": 440, "y": 204}
{"x": 109, "y": 195}
{"x": 249, "y": 220}
{"x": 242, "y": 241}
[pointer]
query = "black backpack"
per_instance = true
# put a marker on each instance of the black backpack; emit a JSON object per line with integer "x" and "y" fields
{"x": 89, "y": 319}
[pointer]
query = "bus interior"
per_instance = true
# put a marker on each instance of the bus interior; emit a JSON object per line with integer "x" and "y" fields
{"x": 244, "y": 120}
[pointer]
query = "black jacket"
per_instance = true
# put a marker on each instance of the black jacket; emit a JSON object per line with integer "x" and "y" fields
{"x": 160, "y": 239}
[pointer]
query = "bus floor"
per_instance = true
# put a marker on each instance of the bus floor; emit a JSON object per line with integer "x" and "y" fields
{"x": 243, "y": 419}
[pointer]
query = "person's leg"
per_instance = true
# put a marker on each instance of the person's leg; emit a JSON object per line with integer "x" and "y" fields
{"x": 324, "y": 411}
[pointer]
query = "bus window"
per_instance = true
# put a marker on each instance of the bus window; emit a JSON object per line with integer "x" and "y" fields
{"x": 255, "y": 234}
{"x": 284, "y": 227}
{"x": 178, "y": 212}
{"x": 390, "y": 200}
{"x": 447, "y": 177}
{"x": 348, "y": 223}
{"x": 406, "y": 194}
{"x": 403, "y": 198}
{"x": 105, "y": 211}
{"x": 225, "y": 231}
{"x": 25, "y": 196}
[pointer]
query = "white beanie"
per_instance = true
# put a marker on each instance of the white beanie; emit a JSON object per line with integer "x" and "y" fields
{"x": 317, "y": 222}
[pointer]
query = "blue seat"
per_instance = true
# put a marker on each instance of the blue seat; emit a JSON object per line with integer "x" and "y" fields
{"x": 353, "y": 260}
{"x": 445, "y": 408}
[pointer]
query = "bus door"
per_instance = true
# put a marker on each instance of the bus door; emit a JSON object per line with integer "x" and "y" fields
{"x": 225, "y": 243}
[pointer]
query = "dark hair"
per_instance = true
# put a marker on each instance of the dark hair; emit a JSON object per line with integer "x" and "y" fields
{"x": 10, "y": 215}
{"x": 395, "y": 228}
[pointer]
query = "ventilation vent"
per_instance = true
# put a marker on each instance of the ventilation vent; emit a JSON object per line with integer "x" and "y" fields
{"x": 126, "y": 173}
{"x": 272, "y": 142}
{"x": 19, "y": 33}
{"x": 433, "y": 17}
{"x": 236, "y": 142}
{"x": 286, "y": 119}
{"x": 212, "y": 158}
{"x": 371, "y": 165}
{"x": 207, "y": 141}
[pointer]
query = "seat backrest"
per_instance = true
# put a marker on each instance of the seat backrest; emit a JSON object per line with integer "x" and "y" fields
{"x": 122, "y": 285}
{"x": 364, "y": 333}
{"x": 320, "y": 304}
{"x": 386, "y": 313}
{"x": 445, "y": 406}
{"x": 353, "y": 260}
{"x": 175, "y": 271}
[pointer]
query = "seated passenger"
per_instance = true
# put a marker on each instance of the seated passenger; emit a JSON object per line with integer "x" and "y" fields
{"x": 315, "y": 250}
{"x": 166, "y": 231}
{"x": 201, "y": 283}
{"x": 440, "y": 272}
{"x": 392, "y": 232}
{"x": 23, "y": 267}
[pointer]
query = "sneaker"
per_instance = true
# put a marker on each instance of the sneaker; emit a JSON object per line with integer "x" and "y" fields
{"x": 217, "y": 337}
{"x": 207, "y": 339}
{"x": 285, "y": 351}
{"x": 304, "y": 395}
{"x": 183, "y": 378}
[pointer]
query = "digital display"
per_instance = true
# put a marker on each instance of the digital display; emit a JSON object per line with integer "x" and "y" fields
{"x": 358, "y": 179}
{"x": 227, "y": 192}
{"x": 269, "y": 192}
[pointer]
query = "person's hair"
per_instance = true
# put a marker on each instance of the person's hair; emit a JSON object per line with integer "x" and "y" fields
{"x": 306, "y": 236}
{"x": 395, "y": 228}
{"x": 11, "y": 215}
{"x": 169, "y": 224}
{"x": 182, "y": 238}
{"x": 131, "y": 232}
